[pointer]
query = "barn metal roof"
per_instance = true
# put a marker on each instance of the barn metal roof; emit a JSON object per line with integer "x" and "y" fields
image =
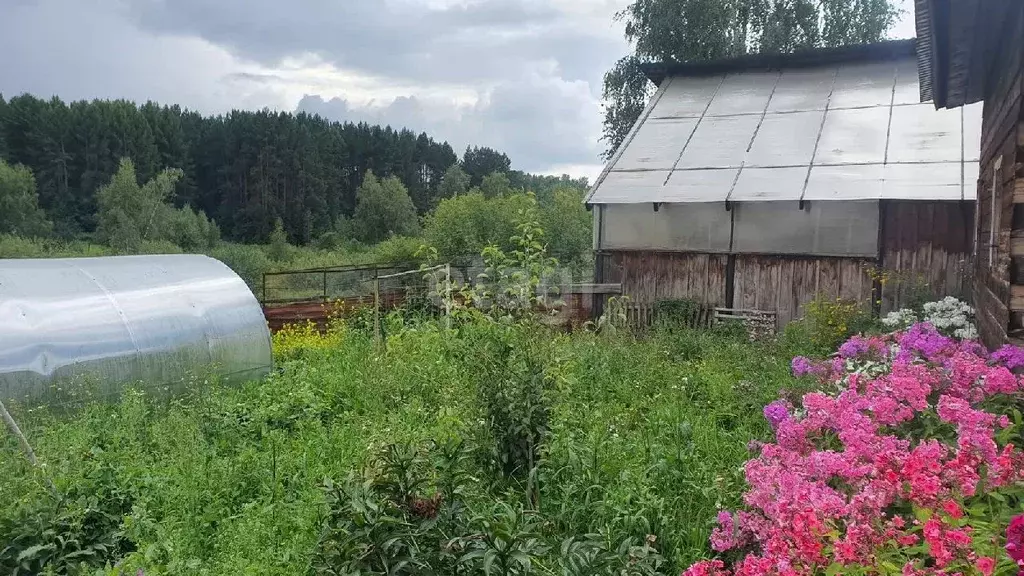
{"x": 845, "y": 126}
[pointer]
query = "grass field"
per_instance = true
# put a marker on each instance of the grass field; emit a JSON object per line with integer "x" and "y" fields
{"x": 532, "y": 452}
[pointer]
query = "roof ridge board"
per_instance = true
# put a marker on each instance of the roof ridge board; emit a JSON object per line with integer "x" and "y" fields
{"x": 807, "y": 58}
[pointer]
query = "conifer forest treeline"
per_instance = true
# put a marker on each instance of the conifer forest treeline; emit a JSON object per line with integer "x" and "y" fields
{"x": 244, "y": 169}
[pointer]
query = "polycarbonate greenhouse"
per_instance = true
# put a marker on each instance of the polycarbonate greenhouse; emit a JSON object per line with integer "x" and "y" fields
{"x": 92, "y": 325}
{"x": 762, "y": 181}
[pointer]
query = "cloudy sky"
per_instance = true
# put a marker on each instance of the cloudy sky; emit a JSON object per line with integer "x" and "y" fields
{"x": 522, "y": 76}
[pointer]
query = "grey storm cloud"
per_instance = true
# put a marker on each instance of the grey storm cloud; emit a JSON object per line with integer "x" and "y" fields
{"x": 535, "y": 66}
{"x": 538, "y": 122}
{"x": 406, "y": 39}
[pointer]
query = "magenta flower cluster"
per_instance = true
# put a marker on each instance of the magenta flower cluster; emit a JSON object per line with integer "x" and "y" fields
{"x": 884, "y": 469}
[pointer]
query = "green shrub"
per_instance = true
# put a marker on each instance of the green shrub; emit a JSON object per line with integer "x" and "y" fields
{"x": 192, "y": 230}
{"x": 158, "y": 247}
{"x": 19, "y": 203}
{"x": 279, "y": 250}
{"x": 679, "y": 313}
{"x": 20, "y": 247}
{"x": 249, "y": 262}
{"x": 397, "y": 249}
{"x": 826, "y": 324}
{"x": 383, "y": 209}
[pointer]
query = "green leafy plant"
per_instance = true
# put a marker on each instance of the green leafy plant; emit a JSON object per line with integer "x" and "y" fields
{"x": 507, "y": 543}
{"x": 829, "y": 322}
{"x": 76, "y": 533}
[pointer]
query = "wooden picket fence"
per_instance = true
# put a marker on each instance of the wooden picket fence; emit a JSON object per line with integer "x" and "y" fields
{"x": 643, "y": 316}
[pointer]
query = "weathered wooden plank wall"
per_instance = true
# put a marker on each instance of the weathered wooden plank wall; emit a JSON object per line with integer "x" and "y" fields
{"x": 929, "y": 245}
{"x": 785, "y": 284}
{"x": 649, "y": 277}
{"x": 1002, "y": 141}
{"x": 927, "y": 240}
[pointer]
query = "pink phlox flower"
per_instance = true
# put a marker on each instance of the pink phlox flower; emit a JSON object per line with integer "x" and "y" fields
{"x": 1010, "y": 356}
{"x": 724, "y": 536}
{"x": 975, "y": 428}
{"x": 985, "y": 565}
{"x": 1015, "y": 540}
{"x": 999, "y": 380}
{"x": 707, "y": 568}
{"x": 777, "y": 412}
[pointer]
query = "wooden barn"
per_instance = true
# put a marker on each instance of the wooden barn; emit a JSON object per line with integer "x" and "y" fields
{"x": 973, "y": 51}
{"x": 763, "y": 181}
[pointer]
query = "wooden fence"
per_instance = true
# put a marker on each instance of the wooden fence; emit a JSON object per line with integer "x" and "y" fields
{"x": 643, "y": 316}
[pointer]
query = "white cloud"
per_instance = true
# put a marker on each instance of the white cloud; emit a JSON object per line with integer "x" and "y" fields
{"x": 523, "y": 76}
{"x": 539, "y": 121}
{"x": 84, "y": 50}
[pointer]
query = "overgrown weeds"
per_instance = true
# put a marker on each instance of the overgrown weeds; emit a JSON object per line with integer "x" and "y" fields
{"x": 527, "y": 450}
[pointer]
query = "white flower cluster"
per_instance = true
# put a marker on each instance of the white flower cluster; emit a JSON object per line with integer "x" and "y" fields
{"x": 949, "y": 316}
{"x": 900, "y": 319}
{"x": 953, "y": 317}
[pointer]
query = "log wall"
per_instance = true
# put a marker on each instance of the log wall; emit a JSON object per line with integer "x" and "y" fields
{"x": 999, "y": 263}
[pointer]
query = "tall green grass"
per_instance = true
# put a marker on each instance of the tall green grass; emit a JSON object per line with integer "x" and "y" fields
{"x": 638, "y": 438}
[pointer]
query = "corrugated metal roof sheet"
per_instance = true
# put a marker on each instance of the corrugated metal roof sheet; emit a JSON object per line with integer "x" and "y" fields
{"x": 855, "y": 131}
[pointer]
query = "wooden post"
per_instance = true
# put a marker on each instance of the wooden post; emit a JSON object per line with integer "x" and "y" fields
{"x": 325, "y": 285}
{"x": 448, "y": 296}
{"x": 376, "y": 309}
{"x": 25, "y": 446}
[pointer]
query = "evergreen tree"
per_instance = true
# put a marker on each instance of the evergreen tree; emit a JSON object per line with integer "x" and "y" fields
{"x": 3, "y": 116}
{"x": 244, "y": 169}
{"x": 130, "y": 214}
{"x": 479, "y": 162}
